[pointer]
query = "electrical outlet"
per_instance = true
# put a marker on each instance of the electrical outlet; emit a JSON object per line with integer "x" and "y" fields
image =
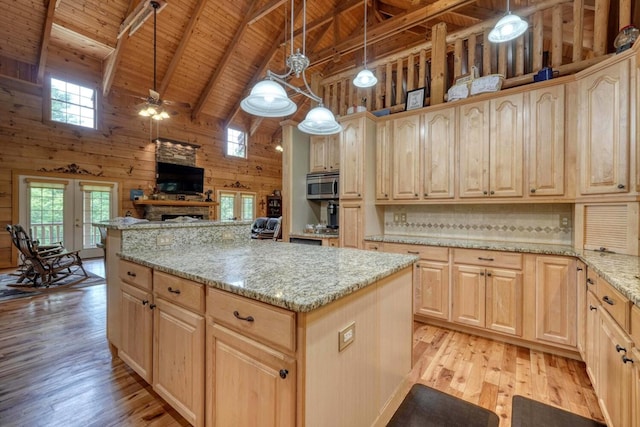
{"x": 227, "y": 235}
{"x": 403, "y": 217}
{"x": 565, "y": 221}
{"x": 164, "y": 239}
{"x": 396, "y": 217}
{"x": 346, "y": 336}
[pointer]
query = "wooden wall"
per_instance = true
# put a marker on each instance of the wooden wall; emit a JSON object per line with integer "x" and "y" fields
{"x": 121, "y": 149}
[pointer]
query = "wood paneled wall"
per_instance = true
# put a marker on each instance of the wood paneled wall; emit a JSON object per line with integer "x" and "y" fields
{"x": 121, "y": 149}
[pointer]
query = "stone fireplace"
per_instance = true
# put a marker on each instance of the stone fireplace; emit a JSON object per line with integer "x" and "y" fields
{"x": 158, "y": 210}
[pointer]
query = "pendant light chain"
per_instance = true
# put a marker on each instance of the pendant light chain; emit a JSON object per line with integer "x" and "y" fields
{"x": 365, "y": 33}
{"x": 155, "y": 11}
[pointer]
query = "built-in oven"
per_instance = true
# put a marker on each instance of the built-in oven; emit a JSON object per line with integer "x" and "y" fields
{"x": 322, "y": 186}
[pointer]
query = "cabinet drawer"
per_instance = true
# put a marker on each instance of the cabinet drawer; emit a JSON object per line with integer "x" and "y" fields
{"x": 635, "y": 325}
{"x": 434, "y": 253}
{"x": 135, "y": 274}
{"x": 270, "y": 325}
{"x": 487, "y": 258}
{"x": 374, "y": 246}
{"x": 180, "y": 291}
{"x": 616, "y": 304}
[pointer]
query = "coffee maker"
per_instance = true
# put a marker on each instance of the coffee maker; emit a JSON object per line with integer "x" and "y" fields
{"x": 332, "y": 214}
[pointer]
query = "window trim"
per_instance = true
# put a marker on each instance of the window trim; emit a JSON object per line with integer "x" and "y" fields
{"x": 46, "y": 102}
{"x": 237, "y": 204}
{"x": 227, "y": 141}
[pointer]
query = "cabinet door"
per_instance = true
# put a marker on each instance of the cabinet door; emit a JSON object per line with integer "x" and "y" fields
{"x": 468, "y": 295}
{"x": 614, "y": 392}
{"x": 352, "y": 162}
{"x": 473, "y": 139}
{"x": 635, "y": 395}
{"x": 506, "y": 142}
{"x": 603, "y": 129}
{"x": 581, "y": 304}
{"x": 555, "y": 285}
{"x": 592, "y": 333}
{"x": 383, "y": 160}
{"x": 136, "y": 322}
{"x": 333, "y": 152}
{"x": 504, "y": 301}
{"x": 406, "y": 158}
{"x": 439, "y": 151}
{"x": 178, "y": 359}
{"x": 317, "y": 154}
{"x": 248, "y": 384}
{"x": 431, "y": 289}
{"x": 546, "y": 141}
{"x": 351, "y": 227}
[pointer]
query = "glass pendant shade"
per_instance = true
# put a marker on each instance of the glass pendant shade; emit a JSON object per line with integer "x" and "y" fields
{"x": 268, "y": 99}
{"x": 156, "y": 112}
{"x": 365, "y": 78}
{"x": 509, "y": 27}
{"x": 320, "y": 121}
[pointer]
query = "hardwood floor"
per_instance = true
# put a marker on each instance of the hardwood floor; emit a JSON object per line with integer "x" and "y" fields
{"x": 56, "y": 368}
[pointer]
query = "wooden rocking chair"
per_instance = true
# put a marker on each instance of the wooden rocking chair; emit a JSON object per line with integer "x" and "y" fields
{"x": 45, "y": 266}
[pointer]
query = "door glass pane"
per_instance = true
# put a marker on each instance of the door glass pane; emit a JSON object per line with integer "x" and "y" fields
{"x": 247, "y": 207}
{"x": 46, "y": 214}
{"x": 226, "y": 207}
{"x": 95, "y": 208}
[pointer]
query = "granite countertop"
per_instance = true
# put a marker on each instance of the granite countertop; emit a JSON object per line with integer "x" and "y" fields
{"x": 315, "y": 235}
{"x": 300, "y": 278}
{"x": 621, "y": 271}
{"x": 131, "y": 223}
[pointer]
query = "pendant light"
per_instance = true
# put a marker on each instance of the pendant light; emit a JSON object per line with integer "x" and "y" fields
{"x": 365, "y": 78}
{"x": 509, "y": 27}
{"x": 269, "y": 99}
{"x": 153, "y": 107}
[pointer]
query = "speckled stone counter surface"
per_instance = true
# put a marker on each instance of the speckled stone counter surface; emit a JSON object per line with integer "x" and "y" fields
{"x": 130, "y": 223}
{"x": 293, "y": 276}
{"x": 314, "y": 235}
{"x": 621, "y": 271}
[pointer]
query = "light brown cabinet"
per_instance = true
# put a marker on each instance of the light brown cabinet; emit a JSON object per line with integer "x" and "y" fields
{"x": 383, "y": 159}
{"x": 324, "y": 153}
{"x": 406, "y": 158}
{"x": 351, "y": 225}
{"x": 592, "y": 325}
{"x": 556, "y": 305}
{"x": 473, "y": 140}
{"x": 546, "y": 141}
{"x": 352, "y": 151}
{"x": 635, "y": 385}
{"x": 136, "y": 341}
{"x": 438, "y": 170}
{"x": 604, "y": 129}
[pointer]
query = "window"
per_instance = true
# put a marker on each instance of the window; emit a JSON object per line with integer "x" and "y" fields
{"x": 236, "y": 143}
{"x": 236, "y": 206}
{"x": 46, "y": 211}
{"x": 73, "y": 104}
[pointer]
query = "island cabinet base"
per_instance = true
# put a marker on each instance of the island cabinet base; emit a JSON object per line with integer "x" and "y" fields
{"x": 352, "y": 386}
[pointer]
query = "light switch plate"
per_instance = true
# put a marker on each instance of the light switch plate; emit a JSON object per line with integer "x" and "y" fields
{"x": 346, "y": 336}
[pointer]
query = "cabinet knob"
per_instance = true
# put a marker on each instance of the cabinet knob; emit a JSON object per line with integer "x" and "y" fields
{"x": 533, "y": 190}
{"x": 579, "y": 268}
{"x": 246, "y": 319}
{"x": 145, "y": 302}
{"x": 492, "y": 192}
{"x": 620, "y": 186}
{"x": 415, "y": 194}
{"x": 592, "y": 308}
{"x": 386, "y": 195}
{"x": 283, "y": 373}
{"x": 625, "y": 359}
{"x": 484, "y": 192}
{"x": 426, "y": 194}
{"x": 620, "y": 348}
{"x": 589, "y": 281}
{"x": 174, "y": 291}
{"x": 152, "y": 306}
{"x": 488, "y": 274}
{"x": 482, "y": 273}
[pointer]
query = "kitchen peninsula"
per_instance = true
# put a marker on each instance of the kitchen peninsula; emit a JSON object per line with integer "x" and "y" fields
{"x": 234, "y": 330}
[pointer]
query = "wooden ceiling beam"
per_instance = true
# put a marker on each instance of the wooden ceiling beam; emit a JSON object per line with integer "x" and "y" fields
{"x": 111, "y": 64}
{"x": 329, "y": 16}
{"x": 46, "y": 37}
{"x": 220, "y": 67}
{"x": 184, "y": 40}
{"x": 389, "y": 27}
{"x": 266, "y": 9}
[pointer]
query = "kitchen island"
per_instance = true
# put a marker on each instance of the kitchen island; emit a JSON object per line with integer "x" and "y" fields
{"x": 254, "y": 332}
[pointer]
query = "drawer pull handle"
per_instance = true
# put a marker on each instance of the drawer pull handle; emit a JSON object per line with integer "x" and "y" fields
{"x": 482, "y": 273}
{"x": 608, "y": 300}
{"x": 592, "y": 307}
{"x": 625, "y": 359}
{"x": 283, "y": 373}
{"x": 152, "y": 306}
{"x": 620, "y": 186}
{"x": 488, "y": 274}
{"x": 589, "y": 281}
{"x": 413, "y": 252}
{"x": 246, "y": 319}
{"x": 485, "y": 259}
{"x": 174, "y": 291}
{"x": 579, "y": 268}
{"x": 130, "y": 274}
{"x": 620, "y": 348}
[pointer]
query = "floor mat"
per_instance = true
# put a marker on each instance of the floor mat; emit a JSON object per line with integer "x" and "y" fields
{"x": 10, "y": 289}
{"x": 424, "y": 406}
{"x": 527, "y": 412}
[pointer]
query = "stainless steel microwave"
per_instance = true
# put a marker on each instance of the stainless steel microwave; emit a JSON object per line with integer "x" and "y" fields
{"x": 323, "y": 186}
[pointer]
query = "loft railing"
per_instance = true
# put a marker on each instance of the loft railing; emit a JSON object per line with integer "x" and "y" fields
{"x": 436, "y": 64}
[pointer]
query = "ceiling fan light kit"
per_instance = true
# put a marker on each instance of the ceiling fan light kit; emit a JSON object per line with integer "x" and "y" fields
{"x": 269, "y": 99}
{"x": 365, "y": 78}
{"x": 509, "y": 27}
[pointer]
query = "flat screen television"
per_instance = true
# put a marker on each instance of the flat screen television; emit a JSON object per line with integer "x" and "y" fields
{"x": 179, "y": 179}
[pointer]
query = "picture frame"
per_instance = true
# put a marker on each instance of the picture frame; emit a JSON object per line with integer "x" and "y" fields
{"x": 415, "y": 99}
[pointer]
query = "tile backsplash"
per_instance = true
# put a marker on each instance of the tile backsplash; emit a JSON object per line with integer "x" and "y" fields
{"x": 535, "y": 223}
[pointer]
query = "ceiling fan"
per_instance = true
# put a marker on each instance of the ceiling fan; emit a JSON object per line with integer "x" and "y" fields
{"x": 154, "y": 106}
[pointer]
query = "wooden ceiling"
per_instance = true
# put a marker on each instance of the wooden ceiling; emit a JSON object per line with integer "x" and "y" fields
{"x": 211, "y": 52}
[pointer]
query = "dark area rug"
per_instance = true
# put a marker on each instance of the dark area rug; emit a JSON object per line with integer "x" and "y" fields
{"x": 529, "y": 413}
{"x": 426, "y": 407}
{"x": 10, "y": 289}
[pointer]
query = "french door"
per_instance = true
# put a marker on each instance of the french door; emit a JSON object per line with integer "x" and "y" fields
{"x": 62, "y": 210}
